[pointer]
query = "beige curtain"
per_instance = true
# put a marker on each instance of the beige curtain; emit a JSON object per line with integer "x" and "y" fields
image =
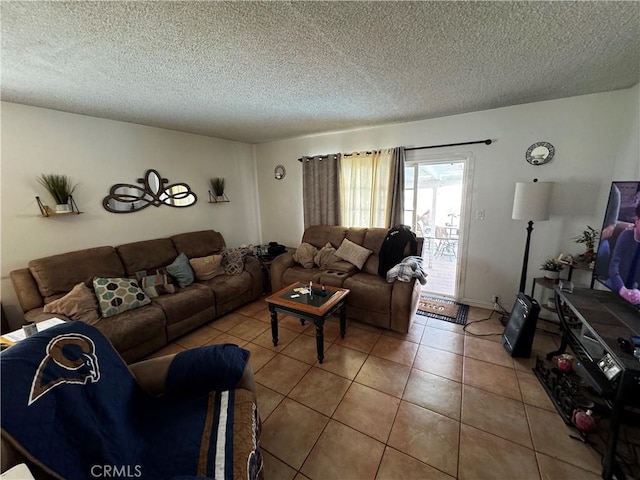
{"x": 365, "y": 183}
{"x": 321, "y": 190}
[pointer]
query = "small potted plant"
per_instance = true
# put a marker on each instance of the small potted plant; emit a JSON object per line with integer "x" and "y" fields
{"x": 217, "y": 185}
{"x": 552, "y": 268}
{"x": 588, "y": 237}
{"x": 60, "y": 188}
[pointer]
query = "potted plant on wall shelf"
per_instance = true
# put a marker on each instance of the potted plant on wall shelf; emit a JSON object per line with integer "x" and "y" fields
{"x": 60, "y": 188}
{"x": 552, "y": 268}
{"x": 217, "y": 185}
{"x": 588, "y": 237}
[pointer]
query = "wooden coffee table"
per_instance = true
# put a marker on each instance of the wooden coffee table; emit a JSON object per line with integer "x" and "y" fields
{"x": 314, "y": 307}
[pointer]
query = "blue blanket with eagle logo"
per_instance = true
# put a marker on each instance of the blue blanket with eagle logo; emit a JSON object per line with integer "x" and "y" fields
{"x": 70, "y": 402}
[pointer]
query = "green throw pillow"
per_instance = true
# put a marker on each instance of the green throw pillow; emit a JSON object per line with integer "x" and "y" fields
{"x": 181, "y": 270}
{"x": 117, "y": 295}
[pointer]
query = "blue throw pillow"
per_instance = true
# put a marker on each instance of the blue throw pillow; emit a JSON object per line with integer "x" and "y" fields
{"x": 181, "y": 270}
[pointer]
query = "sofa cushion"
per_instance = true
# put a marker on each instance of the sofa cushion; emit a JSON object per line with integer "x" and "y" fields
{"x": 185, "y": 303}
{"x": 369, "y": 291}
{"x": 181, "y": 270}
{"x": 134, "y": 327}
{"x": 79, "y": 304}
{"x": 353, "y": 253}
{"x": 117, "y": 295}
{"x": 146, "y": 255}
{"x": 300, "y": 274}
{"x": 156, "y": 285}
{"x": 320, "y": 235}
{"x": 305, "y": 254}
{"x": 58, "y": 274}
{"x": 233, "y": 260}
{"x": 199, "y": 244}
{"x": 227, "y": 288}
{"x": 205, "y": 268}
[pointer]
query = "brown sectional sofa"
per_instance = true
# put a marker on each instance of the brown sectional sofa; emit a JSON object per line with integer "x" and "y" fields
{"x": 136, "y": 333}
{"x": 371, "y": 299}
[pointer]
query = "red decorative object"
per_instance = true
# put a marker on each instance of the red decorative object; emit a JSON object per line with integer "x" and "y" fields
{"x": 565, "y": 362}
{"x": 583, "y": 421}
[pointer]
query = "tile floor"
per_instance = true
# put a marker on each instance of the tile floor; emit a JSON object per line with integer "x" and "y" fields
{"x": 437, "y": 403}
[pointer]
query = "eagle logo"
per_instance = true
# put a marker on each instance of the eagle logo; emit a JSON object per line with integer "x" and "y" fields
{"x": 70, "y": 359}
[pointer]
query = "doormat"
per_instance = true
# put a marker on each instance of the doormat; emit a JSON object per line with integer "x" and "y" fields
{"x": 443, "y": 309}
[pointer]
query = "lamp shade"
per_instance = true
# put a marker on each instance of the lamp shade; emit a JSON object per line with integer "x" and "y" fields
{"x": 531, "y": 201}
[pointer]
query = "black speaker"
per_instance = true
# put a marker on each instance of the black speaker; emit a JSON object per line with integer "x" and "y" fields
{"x": 521, "y": 326}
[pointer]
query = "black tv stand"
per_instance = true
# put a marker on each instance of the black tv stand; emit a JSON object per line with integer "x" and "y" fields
{"x": 606, "y": 377}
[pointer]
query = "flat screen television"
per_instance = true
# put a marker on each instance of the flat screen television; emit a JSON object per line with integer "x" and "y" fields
{"x": 617, "y": 265}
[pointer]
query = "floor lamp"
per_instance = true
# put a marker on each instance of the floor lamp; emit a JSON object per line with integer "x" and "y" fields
{"x": 531, "y": 202}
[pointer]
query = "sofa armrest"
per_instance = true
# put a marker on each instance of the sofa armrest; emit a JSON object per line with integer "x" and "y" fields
{"x": 26, "y": 289}
{"x": 404, "y": 303}
{"x": 278, "y": 267}
{"x": 252, "y": 265}
{"x": 151, "y": 375}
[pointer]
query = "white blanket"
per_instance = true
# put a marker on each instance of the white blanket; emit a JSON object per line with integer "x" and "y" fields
{"x": 408, "y": 269}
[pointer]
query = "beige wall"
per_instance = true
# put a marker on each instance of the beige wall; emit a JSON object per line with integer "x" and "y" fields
{"x": 98, "y": 153}
{"x": 595, "y": 140}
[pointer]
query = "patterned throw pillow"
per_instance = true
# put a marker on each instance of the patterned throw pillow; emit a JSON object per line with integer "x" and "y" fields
{"x": 181, "y": 270}
{"x": 117, "y": 295}
{"x": 304, "y": 255}
{"x": 156, "y": 285}
{"x": 79, "y": 304}
{"x": 233, "y": 260}
{"x": 208, "y": 267}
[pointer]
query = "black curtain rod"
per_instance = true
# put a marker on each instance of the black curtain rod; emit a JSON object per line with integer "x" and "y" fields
{"x": 486, "y": 142}
{"x": 301, "y": 159}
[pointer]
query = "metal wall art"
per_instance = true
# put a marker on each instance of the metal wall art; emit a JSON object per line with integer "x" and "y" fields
{"x": 128, "y": 198}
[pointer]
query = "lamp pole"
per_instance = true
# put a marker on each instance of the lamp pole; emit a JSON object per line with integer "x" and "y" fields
{"x": 525, "y": 261}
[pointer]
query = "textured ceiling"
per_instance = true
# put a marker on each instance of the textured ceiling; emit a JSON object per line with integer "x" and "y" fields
{"x": 260, "y": 71}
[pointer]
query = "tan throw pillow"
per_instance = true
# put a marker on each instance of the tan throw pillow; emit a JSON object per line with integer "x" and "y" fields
{"x": 208, "y": 267}
{"x": 326, "y": 256}
{"x": 353, "y": 253}
{"x": 79, "y": 304}
{"x": 304, "y": 255}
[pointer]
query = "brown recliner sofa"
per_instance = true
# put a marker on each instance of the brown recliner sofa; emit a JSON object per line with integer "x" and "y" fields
{"x": 372, "y": 299}
{"x": 139, "y": 332}
{"x": 151, "y": 376}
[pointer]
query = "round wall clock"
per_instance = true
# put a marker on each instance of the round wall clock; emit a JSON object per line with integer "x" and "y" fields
{"x": 279, "y": 172}
{"x": 540, "y": 153}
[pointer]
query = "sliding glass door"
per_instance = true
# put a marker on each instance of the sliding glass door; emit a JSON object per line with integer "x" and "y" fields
{"x": 434, "y": 207}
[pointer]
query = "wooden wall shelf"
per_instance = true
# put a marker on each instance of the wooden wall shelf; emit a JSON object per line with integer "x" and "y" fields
{"x": 218, "y": 199}
{"x": 47, "y": 212}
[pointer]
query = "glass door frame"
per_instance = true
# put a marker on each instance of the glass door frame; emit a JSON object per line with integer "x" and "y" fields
{"x": 466, "y": 158}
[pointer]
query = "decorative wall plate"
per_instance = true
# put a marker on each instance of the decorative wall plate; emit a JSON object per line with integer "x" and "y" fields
{"x": 279, "y": 172}
{"x": 540, "y": 153}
